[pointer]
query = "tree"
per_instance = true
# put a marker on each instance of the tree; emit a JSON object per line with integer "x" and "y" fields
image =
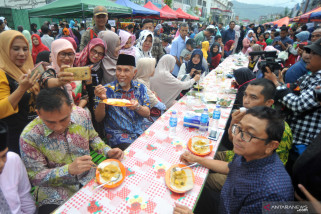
{"x": 286, "y": 11}
{"x": 168, "y": 2}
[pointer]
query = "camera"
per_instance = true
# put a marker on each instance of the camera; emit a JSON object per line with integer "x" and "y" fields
{"x": 268, "y": 59}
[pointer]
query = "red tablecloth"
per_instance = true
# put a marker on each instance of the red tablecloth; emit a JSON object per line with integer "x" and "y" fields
{"x": 147, "y": 159}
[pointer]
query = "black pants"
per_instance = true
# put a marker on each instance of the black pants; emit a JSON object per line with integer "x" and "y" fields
{"x": 47, "y": 208}
{"x": 122, "y": 146}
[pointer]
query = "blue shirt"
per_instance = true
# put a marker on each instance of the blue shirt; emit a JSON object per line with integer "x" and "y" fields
{"x": 296, "y": 71}
{"x": 121, "y": 124}
{"x": 177, "y": 46}
{"x": 284, "y": 40}
{"x": 248, "y": 184}
{"x": 228, "y": 35}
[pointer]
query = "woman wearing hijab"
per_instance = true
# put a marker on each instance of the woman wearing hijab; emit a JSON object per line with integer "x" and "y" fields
{"x": 109, "y": 61}
{"x": 17, "y": 88}
{"x": 214, "y": 56}
{"x": 247, "y": 40}
{"x": 254, "y": 59}
{"x": 45, "y": 58}
{"x": 228, "y": 48}
{"x": 144, "y": 45}
{"x": 28, "y": 37}
{"x": 37, "y": 47}
{"x": 303, "y": 36}
{"x": 242, "y": 77}
{"x": 165, "y": 84}
{"x": 192, "y": 67}
{"x": 237, "y": 29}
{"x": 63, "y": 56}
{"x": 205, "y": 48}
{"x": 92, "y": 55}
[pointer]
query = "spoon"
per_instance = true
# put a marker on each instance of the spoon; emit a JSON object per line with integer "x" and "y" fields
{"x": 180, "y": 169}
{"x": 111, "y": 180}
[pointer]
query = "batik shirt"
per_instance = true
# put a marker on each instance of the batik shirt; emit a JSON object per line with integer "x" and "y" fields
{"x": 123, "y": 125}
{"x": 47, "y": 156}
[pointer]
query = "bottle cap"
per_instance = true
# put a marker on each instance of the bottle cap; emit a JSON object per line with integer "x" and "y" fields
{"x": 218, "y": 106}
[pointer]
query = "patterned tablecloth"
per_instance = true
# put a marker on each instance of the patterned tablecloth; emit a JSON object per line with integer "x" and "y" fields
{"x": 147, "y": 159}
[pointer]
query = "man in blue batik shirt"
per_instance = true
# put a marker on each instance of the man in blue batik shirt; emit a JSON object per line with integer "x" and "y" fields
{"x": 178, "y": 45}
{"x": 123, "y": 125}
{"x": 256, "y": 174}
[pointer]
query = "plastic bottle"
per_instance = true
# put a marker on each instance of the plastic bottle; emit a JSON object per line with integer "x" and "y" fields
{"x": 216, "y": 118}
{"x": 172, "y": 124}
{"x": 204, "y": 121}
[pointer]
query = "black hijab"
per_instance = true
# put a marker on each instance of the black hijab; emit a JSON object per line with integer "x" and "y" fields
{"x": 211, "y": 53}
{"x": 242, "y": 76}
{"x": 43, "y": 57}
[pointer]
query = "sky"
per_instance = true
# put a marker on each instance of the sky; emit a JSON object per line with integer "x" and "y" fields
{"x": 280, "y": 3}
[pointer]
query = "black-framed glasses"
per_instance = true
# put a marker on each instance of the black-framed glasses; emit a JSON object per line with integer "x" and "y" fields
{"x": 246, "y": 136}
{"x": 94, "y": 52}
{"x": 64, "y": 55}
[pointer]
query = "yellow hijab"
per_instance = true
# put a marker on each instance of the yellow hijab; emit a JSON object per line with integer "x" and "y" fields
{"x": 6, "y": 65}
{"x": 205, "y": 47}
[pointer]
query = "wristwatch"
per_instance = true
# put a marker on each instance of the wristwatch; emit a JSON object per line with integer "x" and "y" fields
{"x": 138, "y": 107}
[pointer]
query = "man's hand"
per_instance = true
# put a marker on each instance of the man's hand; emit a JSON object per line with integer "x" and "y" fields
{"x": 282, "y": 74}
{"x": 80, "y": 165}
{"x": 237, "y": 117}
{"x": 188, "y": 158}
{"x": 134, "y": 105}
{"x": 315, "y": 203}
{"x": 115, "y": 153}
{"x": 271, "y": 76}
{"x": 100, "y": 91}
{"x": 181, "y": 209}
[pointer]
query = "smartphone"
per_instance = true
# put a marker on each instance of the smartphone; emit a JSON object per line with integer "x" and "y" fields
{"x": 39, "y": 67}
{"x": 80, "y": 73}
{"x": 214, "y": 134}
{"x": 198, "y": 72}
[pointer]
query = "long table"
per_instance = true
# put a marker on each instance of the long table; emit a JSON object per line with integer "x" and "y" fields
{"x": 147, "y": 159}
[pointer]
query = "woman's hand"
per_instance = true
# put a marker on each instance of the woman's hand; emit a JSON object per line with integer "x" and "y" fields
{"x": 100, "y": 91}
{"x": 26, "y": 82}
{"x": 192, "y": 71}
{"x": 65, "y": 77}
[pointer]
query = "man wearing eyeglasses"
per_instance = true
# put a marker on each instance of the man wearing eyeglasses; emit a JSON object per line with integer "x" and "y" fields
{"x": 316, "y": 34}
{"x": 100, "y": 18}
{"x": 256, "y": 173}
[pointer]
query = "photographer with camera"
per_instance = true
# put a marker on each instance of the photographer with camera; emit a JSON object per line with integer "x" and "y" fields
{"x": 281, "y": 42}
{"x": 298, "y": 97}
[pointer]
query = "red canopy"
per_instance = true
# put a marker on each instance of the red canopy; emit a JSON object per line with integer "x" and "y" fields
{"x": 163, "y": 14}
{"x": 169, "y": 10}
{"x": 283, "y": 21}
{"x": 180, "y": 11}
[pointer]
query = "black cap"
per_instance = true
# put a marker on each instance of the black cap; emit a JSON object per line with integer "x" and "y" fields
{"x": 3, "y": 136}
{"x": 124, "y": 59}
{"x": 315, "y": 47}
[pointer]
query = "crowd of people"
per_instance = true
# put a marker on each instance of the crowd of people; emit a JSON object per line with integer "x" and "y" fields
{"x": 50, "y": 122}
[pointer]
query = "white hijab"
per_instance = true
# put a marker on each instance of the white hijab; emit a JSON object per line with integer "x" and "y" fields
{"x": 139, "y": 46}
{"x": 165, "y": 84}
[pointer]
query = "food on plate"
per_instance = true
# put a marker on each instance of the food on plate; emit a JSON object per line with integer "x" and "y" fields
{"x": 199, "y": 147}
{"x": 179, "y": 178}
{"x": 198, "y": 87}
{"x": 109, "y": 171}
{"x": 225, "y": 103}
{"x": 116, "y": 102}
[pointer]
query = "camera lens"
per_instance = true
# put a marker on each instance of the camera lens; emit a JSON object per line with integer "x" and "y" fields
{"x": 317, "y": 94}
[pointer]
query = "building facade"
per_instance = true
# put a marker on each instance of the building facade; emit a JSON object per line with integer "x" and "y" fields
{"x": 222, "y": 11}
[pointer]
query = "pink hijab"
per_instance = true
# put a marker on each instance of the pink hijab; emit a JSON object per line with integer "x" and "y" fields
{"x": 124, "y": 36}
{"x": 82, "y": 58}
{"x": 56, "y": 47}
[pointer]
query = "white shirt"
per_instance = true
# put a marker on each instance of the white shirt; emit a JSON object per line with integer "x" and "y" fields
{"x": 15, "y": 186}
{"x": 47, "y": 40}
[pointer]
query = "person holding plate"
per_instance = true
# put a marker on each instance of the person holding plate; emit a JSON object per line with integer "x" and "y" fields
{"x": 123, "y": 125}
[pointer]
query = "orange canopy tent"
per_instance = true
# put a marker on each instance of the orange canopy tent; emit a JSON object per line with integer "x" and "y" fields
{"x": 169, "y": 10}
{"x": 163, "y": 14}
{"x": 283, "y": 21}
{"x": 180, "y": 11}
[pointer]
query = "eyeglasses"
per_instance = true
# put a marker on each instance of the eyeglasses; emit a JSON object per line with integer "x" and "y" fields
{"x": 64, "y": 54}
{"x": 246, "y": 136}
{"x": 316, "y": 35}
{"x": 94, "y": 52}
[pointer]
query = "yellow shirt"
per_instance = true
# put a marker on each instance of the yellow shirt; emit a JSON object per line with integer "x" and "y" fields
{"x": 6, "y": 108}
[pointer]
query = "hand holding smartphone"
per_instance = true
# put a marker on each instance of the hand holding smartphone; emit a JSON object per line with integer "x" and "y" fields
{"x": 39, "y": 68}
{"x": 80, "y": 73}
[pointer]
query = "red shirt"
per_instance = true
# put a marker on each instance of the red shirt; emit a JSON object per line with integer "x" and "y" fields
{"x": 263, "y": 44}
